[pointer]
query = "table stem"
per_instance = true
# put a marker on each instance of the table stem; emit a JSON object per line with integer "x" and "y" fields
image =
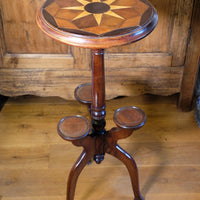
{"x": 98, "y": 85}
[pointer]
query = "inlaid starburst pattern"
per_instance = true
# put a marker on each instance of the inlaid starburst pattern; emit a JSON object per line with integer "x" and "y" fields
{"x": 96, "y": 17}
{"x": 97, "y": 8}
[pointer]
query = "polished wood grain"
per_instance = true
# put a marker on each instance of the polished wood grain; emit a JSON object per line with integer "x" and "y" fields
{"x": 31, "y": 40}
{"x": 35, "y": 161}
{"x": 129, "y": 162}
{"x": 98, "y": 143}
{"x": 73, "y": 127}
{"x": 129, "y": 117}
{"x": 83, "y": 93}
{"x": 98, "y": 85}
{"x": 96, "y": 24}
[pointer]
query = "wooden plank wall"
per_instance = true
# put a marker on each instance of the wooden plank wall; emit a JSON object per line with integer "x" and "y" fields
{"x": 35, "y": 64}
{"x": 192, "y": 62}
{"x": 2, "y": 41}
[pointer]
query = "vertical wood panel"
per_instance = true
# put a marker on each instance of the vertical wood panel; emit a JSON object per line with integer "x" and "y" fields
{"x": 22, "y": 34}
{"x": 82, "y": 58}
{"x": 192, "y": 62}
{"x": 182, "y": 21}
{"x": 159, "y": 39}
{"x": 2, "y": 43}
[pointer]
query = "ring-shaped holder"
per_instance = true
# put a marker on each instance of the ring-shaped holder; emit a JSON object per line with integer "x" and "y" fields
{"x": 73, "y": 127}
{"x": 129, "y": 117}
{"x": 83, "y": 93}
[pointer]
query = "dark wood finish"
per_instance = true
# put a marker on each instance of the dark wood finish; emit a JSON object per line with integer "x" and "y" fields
{"x": 129, "y": 162}
{"x": 80, "y": 23}
{"x": 101, "y": 141}
{"x": 83, "y": 93}
{"x": 3, "y": 100}
{"x": 75, "y": 172}
{"x": 98, "y": 85}
{"x": 88, "y": 153}
{"x": 191, "y": 63}
{"x": 107, "y": 143}
{"x": 99, "y": 25}
{"x": 115, "y": 150}
{"x": 73, "y": 127}
{"x": 129, "y": 117}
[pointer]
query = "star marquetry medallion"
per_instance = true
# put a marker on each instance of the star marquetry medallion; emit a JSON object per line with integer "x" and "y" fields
{"x": 97, "y": 17}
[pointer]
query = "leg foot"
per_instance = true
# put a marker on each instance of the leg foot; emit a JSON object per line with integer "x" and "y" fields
{"x": 82, "y": 161}
{"x": 140, "y": 198}
{"x": 130, "y": 164}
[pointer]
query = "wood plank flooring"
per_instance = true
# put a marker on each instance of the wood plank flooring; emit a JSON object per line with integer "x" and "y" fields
{"x": 35, "y": 161}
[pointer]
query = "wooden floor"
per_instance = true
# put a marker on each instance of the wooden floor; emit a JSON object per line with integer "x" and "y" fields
{"x": 35, "y": 161}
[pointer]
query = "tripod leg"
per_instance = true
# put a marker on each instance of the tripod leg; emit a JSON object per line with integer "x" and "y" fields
{"x": 82, "y": 161}
{"x": 130, "y": 164}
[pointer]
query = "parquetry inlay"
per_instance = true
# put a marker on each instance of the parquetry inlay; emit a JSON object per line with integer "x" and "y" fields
{"x": 96, "y": 16}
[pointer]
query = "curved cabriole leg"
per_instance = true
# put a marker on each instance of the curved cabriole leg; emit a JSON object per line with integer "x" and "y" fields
{"x": 130, "y": 164}
{"x": 82, "y": 161}
{"x": 76, "y": 129}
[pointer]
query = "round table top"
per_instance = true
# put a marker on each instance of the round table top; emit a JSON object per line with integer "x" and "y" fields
{"x": 97, "y": 23}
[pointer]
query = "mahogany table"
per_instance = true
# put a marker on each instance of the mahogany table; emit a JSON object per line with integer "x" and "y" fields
{"x": 98, "y": 24}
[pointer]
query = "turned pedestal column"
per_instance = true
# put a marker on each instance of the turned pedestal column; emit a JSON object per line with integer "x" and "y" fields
{"x": 97, "y": 25}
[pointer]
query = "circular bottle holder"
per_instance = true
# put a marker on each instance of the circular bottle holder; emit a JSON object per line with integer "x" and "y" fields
{"x": 73, "y": 127}
{"x": 129, "y": 117}
{"x": 83, "y": 93}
